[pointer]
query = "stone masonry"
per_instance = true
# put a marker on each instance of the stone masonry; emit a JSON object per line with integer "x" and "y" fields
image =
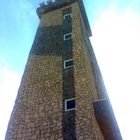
{"x": 39, "y": 112}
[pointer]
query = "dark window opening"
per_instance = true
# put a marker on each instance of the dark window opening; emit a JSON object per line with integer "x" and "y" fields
{"x": 69, "y": 104}
{"x": 68, "y": 63}
{"x": 67, "y": 17}
{"x": 67, "y": 36}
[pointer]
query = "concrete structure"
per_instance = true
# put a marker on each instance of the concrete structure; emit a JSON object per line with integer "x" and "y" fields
{"x": 62, "y": 95}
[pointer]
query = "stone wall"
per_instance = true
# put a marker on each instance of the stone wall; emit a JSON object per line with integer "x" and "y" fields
{"x": 39, "y": 112}
{"x": 85, "y": 89}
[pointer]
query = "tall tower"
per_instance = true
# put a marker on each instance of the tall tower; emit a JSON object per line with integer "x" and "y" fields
{"x": 62, "y": 95}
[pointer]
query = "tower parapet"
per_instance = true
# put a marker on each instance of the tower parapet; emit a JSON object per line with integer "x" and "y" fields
{"x": 52, "y": 5}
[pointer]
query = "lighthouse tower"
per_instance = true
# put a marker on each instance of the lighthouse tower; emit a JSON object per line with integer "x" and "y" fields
{"x": 62, "y": 95}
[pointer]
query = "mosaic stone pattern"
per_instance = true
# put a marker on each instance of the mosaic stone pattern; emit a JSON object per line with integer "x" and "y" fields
{"x": 39, "y": 112}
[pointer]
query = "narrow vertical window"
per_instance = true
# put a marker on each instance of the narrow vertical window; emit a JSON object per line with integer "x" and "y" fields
{"x": 70, "y": 104}
{"x": 68, "y": 63}
{"x": 67, "y": 17}
{"x": 67, "y": 36}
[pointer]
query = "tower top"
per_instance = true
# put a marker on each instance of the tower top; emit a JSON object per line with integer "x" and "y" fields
{"x": 51, "y": 5}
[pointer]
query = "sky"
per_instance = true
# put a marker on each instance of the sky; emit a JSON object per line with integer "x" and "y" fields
{"x": 115, "y": 26}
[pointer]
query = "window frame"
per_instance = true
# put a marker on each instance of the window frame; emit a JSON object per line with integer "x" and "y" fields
{"x": 66, "y": 62}
{"x": 64, "y": 16}
{"x": 67, "y": 100}
{"x": 67, "y": 35}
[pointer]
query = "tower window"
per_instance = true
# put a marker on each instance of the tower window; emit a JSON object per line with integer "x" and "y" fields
{"x": 68, "y": 63}
{"x": 67, "y": 17}
{"x": 67, "y": 36}
{"x": 70, "y": 104}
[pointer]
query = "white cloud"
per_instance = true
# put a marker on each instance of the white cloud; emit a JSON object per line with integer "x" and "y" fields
{"x": 9, "y": 83}
{"x": 116, "y": 43}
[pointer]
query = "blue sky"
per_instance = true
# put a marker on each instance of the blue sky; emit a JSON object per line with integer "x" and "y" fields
{"x": 116, "y": 33}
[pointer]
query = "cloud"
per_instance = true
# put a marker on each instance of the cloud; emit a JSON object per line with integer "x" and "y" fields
{"x": 18, "y": 21}
{"x": 17, "y": 26}
{"x": 9, "y": 84}
{"x": 117, "y": 46}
